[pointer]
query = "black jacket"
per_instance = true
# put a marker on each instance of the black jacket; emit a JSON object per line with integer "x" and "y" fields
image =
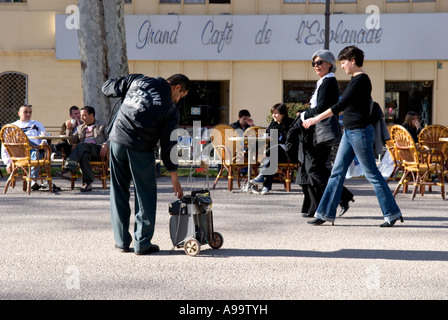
{"x": 147, "y": 114}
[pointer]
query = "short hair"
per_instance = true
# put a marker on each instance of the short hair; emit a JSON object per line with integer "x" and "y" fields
{"x": 352, "y": 52}
{"x": 25, "y": 106}
{"x": 181, "y": 79}
{"x": 282, "y": 109}
{"x": 89, "y": 109}
{"x": 243, "y": 113}
{"x": 327, "y": 56}
{"x": 73, "y": 108}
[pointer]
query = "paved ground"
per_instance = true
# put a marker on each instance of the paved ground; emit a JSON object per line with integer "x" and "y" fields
{"x": 60, "y": 246}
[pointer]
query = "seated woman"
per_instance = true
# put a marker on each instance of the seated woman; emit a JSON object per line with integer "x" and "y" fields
{"x": 412, "y": 124}
{"x": 281, "y": 122}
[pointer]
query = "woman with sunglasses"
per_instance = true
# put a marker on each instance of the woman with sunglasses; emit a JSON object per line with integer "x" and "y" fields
{"x": 315, "y": 169}
{"x": 357, "y": 140}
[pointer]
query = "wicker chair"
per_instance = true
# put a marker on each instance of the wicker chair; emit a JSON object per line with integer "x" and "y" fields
{"x": 230, "y": 153}
{"x": 18, "y": 147}
{"x": 420, "y": 163}
{"x": 100, "y": 170}
{"x": 398, "y": 162}
{"x": 429, "y": 137}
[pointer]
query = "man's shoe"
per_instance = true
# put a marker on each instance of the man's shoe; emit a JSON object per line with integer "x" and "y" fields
{"x": 86, "y": 187}
{"x": 152, "y": 249}
{"x": 65, "y": 174}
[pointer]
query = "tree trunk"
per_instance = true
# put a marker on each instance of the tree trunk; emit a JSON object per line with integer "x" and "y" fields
{"x": 102, "y": 46}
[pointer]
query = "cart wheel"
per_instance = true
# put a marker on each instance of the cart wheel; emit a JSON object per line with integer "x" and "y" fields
{"x": 217, "y": 241}
{"x": 192, "y": 247}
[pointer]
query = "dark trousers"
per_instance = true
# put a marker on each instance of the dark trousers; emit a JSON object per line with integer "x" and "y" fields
{"x": 83, "y": 153}
{"x": 313, "y": 194}
{"x": 128, "y": 165}
{"x": 316, "y": 172}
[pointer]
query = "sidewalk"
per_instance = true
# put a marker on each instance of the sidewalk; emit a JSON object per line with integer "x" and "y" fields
{"x": 60, "y": 246}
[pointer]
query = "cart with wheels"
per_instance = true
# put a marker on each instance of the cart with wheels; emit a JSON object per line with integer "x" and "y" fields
{"x": 191, "y": 223}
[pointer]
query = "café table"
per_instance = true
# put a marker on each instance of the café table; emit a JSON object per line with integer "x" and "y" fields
{"x": 247, "y": 188}
{"x": 60, "y": 137}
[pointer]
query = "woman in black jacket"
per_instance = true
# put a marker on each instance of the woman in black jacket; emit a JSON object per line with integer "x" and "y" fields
{"x": 281, "y": 122}
{"x": 357, "y": 140}
{"x": 412, "y": 124}
{"x": 315, "y": 167}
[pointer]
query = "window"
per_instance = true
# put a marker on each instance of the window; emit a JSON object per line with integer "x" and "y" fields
{"x": 301, "y": 91}
{"x": 401, "y": 97}
{"x": 169, "y": 1}
{"x": 13, "y": 1}
{"x": 208, "y": 102}
{"x": 13, "y": 94}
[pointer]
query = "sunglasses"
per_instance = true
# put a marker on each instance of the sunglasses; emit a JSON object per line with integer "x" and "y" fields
{"x": 317, "y": 63}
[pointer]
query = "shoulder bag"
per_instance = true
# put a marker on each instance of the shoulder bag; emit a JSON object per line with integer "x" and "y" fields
{"x": 328, "y": 131}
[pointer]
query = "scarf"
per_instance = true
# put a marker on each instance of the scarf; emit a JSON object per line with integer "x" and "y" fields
{"x": 313, "y": 101}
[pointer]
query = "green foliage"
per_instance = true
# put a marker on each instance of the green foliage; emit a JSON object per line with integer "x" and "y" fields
{"x": 293, "y": 108}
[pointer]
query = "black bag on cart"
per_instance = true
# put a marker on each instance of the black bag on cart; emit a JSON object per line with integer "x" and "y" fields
{"x": 192, "y": 220}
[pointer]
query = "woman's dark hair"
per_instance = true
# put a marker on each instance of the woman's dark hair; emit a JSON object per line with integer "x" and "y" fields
{"x": 282, "y": 109}
{"x": 352, "y": 52}
{"x": 410, "y": 116}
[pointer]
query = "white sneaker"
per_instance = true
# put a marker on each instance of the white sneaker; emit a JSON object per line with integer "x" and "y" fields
{"x": 265, "y": 190}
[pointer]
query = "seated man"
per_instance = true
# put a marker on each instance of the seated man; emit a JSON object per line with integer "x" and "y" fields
{"x": 32, "y": 128}
{"x": 75, "y": 122}
{"x": 91, "y": 144}
{"x": 244, "y": 121}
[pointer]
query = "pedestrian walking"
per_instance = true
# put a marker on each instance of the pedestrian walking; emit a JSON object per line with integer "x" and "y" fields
{"x": 357, "y": 140}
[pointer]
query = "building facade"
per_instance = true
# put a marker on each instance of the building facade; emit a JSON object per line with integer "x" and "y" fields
{"x": 241, "y": 54}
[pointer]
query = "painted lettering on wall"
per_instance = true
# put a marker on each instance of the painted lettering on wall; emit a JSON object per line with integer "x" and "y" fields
{"x": 147, "y": 35}
{"x": 211, "y": 35}
{"x": 313, "y": 33}
{"x": 263, "y": 35}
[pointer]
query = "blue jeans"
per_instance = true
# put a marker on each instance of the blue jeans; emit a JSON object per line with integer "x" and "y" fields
{"x": 357, "y": 142}
{"x": 138, "y": 166}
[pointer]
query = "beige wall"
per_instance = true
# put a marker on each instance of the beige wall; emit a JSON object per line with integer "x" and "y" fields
{"x": 27, "y": 46}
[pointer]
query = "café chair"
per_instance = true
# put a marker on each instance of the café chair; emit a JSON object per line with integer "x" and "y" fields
{"x": 100, "y": 170}
{"x": 420, "y": 163}
{"x": 430, "y": 135}
{"x": 398, "y": 163}
{"x": 285, "y": 173}
{"x": 230, "y": 154}
{"x": 18, "y": 147}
